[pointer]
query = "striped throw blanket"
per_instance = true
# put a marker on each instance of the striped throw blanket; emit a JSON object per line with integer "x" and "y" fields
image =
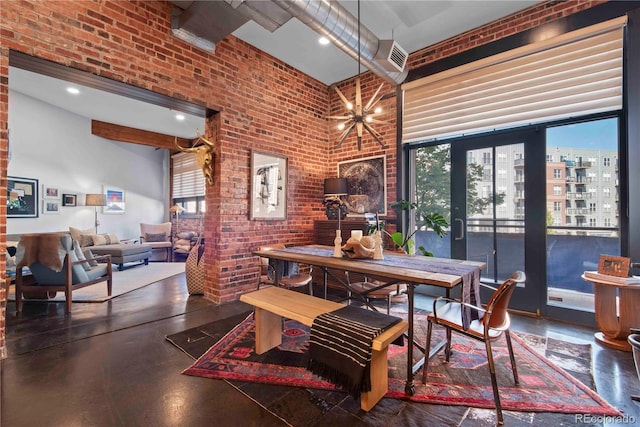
{"x": 340, "y": 346}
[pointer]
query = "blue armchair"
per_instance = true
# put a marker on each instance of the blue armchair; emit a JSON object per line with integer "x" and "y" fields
{"x": 57, "y": 266}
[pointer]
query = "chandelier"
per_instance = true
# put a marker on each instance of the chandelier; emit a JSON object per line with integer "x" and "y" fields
{"x": 359, "y": 117}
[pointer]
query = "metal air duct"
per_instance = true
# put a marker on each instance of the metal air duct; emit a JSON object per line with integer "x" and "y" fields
{"x": 333, "y": 21}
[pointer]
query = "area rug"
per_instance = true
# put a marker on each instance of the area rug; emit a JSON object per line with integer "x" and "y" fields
{"x": 464, "y": 381}
{"x": 123, "y": 282}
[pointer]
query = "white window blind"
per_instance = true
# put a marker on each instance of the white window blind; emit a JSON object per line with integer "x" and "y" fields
{"x": 570, "y": 75}
{"x": 187, "y": 178}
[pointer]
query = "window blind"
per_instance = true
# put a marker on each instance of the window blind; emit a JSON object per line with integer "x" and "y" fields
{"x": 187, "y": 178}
{"x": 570, "y": 75}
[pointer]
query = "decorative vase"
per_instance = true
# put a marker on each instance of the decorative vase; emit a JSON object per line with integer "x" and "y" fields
{"x": 194, "y": 268}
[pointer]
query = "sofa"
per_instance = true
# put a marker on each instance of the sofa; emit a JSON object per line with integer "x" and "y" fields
{"x": 109, "y": 244}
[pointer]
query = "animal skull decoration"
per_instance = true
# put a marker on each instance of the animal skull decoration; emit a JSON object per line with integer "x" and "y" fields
{"x": 204, "y": 155}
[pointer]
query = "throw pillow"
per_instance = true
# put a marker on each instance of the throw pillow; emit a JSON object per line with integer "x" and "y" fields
{"x": 89, "y": 255}
{"x": 76, "y": 233}
{"x": 86, "y": 240}
{"x": 105, "y": 239}
{"x": 186, "y": 235}
{"x": 80, "y": 256}
{"x": 155, "y": 237}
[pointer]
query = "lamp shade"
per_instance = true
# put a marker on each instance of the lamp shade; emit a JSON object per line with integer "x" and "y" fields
{"x": 95, "y": 200}
{"x": 176, "y": 208}
{"x": 335, "y": 187}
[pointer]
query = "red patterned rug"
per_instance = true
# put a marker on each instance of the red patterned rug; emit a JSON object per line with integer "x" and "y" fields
{"x": 465, "y": 381}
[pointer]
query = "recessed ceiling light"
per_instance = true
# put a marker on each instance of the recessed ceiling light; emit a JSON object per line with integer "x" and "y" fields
{"x": 323, "y": 41}
{"x": 180, "y": 117}
{"x": 73, "y": 90}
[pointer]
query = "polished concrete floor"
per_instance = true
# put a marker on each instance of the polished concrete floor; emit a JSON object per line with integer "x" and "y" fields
{"x": 108, "y": 364}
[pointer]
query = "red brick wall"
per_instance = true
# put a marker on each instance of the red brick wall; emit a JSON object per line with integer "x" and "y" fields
{"x": 266, "y": 105}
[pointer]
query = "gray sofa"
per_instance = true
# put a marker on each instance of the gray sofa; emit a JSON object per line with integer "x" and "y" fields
{"x": 122, "y": 253}
{"x": 109, "y": 244}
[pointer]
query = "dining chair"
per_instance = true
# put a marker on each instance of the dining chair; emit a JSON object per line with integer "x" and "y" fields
{"x": 292, "y": 278}
{"x": 364, "y": 289}
{"x": 493, "y": 321}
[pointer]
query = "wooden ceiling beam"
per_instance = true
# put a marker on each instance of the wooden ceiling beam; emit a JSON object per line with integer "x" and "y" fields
{"x": 136, "y": 136}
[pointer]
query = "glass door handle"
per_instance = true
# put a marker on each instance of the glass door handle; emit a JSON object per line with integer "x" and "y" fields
{"x": 461, "y": 235}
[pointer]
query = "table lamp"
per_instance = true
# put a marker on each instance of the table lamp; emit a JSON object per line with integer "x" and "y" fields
{"x": 333, "y": 189}
{"x": 96, "y": 200}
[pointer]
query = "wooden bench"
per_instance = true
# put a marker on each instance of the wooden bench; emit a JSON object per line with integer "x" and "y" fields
{"x": 272, "y": 304}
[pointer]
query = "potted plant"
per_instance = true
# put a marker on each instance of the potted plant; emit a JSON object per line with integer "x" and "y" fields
{"x": 424, "y": 220}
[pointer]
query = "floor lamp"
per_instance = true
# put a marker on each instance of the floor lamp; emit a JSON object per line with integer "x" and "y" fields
{"x": 176, "y": 209}
{"x": 96, "y": 200}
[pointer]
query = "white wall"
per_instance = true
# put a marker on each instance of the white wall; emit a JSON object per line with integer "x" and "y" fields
{"x": 56, "y": 147}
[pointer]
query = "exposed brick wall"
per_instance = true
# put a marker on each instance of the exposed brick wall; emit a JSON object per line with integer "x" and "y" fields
{"x": 265, "y": 105}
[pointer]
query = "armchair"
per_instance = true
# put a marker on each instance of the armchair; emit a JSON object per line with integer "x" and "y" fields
{"x": 58, "y": 266}
{"x": 158, "y": 237}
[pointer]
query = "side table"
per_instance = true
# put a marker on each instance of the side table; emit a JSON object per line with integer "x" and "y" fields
{"x": 615, "y": 319}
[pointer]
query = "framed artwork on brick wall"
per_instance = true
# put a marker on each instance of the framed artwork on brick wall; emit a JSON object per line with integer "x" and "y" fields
{"x": 268, "y": 186}
{"x": 367, "y": 185}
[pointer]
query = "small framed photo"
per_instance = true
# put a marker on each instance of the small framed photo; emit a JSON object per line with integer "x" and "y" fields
{"x": 69, "y": 200}
{"x": 614, "y": 265}
{"x": 50, "y": 207}
{"x": 49, "y": 192}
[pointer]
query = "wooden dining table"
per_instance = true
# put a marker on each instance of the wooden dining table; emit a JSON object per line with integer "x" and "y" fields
{"x": 394, "y": 268}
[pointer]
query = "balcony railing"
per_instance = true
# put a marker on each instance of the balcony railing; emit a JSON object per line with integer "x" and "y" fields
{"x": 578, "y": 211}
{"x": 569, "y": 252}
{"x": 579, "y": 195}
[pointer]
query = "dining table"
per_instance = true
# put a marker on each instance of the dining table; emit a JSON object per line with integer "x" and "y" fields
{"x": 394, "y": 268}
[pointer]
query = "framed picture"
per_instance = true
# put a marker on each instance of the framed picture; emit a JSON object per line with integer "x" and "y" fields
{"x": 115, "y": 201}
{"x": 22, "y": 197}
{"x": 614, "y": 265}
{"x": 50, "y": 207}
{"x": 367, "y": 185}
{"x": 49, "y": 192}
{"x": 268, "y": 186}
{"x": 69, "y": 200}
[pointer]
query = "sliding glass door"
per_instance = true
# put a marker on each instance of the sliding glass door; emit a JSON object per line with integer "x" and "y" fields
{"x": 582, "y": 201}
{"x": 543, "y": 199}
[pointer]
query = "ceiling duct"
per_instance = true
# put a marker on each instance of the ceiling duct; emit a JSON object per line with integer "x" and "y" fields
{"x": 204, "y": 23}
{"x": 333, "y": 21}
{"x": 391, "y": 56}
{"x": 265, "y": 13}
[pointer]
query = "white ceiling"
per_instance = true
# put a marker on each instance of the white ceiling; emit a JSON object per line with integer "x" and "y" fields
{"x": 107, "y": 107}
{"x": 413, "y": 24}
